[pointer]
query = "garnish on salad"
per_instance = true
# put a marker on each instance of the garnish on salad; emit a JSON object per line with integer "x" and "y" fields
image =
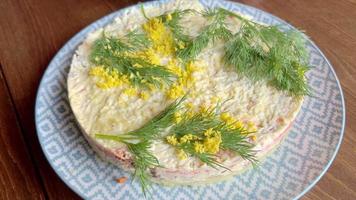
{"x": 161, "y": 55}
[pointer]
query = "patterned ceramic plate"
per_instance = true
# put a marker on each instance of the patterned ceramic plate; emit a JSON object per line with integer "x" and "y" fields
{"x": 288, "y": 173}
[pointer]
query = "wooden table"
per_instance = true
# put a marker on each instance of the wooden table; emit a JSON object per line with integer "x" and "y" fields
{"x": 32, "y": 31}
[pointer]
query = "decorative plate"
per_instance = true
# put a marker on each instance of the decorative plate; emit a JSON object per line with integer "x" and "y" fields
{"x": 300, "y": 161}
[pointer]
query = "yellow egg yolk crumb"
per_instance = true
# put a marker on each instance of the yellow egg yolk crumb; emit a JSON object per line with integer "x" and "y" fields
{"x": 251, "y": 127}
{"x": 227, "y": 118}
{"x": 181, "y": 154}
{"x": 144, "y": 95}
{"x": 234, "y": 123}
{"x": 204, "y": 109}
{"x": 169, "y": 17}
{"x": 181, "y": 45}
{"x": 212, "y": 144}
{"x": 198, "y": 147}
{"x": 177, "y": 117}
{"x": 209, "y": 132}
{"x": 215, "y": 100}
{"x": 238, "y": 125}
{"x": 185, "y": 78}
{"x": 160, "y": 36}
{"x": 148, "y": 55}
{"x": 172, "y": 140}
{"x": 174, "y": 67}
{"x": 189, "y": 105}
{"x": 189, "y": 114}
{"x": 175, "y": 91}
{"x": 187, "y": 138}
{"x": 107, "y": 79}
{"x": 130, "y": 91}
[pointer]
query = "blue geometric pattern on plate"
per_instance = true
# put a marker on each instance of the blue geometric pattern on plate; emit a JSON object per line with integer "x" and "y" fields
{"x": 288, "y": 173}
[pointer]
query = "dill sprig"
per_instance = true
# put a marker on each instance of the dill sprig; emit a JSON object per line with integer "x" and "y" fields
{"x": 139, "y": 142}
{"x": 257, "y": 51}
{"x": 137, "y": 40}
{"x": 172, "y": 21}
{"x": 217, "y": 29}
{"x": 143, "y": 160}
{"x": 108, "y": 45}
{"x": 163, "y": 120}
{"x": 266, "y": 53}
{"x": 235, "y": 139}
{"x": 196, "y": 123}
{"x": 113, "y": 54}
{"x": 151, "y": 129}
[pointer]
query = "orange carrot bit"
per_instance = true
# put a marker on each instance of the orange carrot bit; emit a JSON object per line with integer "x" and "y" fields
{"x": 121, "y": 180}
{"x": 280, "y": 120}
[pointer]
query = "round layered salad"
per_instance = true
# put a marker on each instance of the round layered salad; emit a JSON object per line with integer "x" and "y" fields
{"x": 181, "y": 94}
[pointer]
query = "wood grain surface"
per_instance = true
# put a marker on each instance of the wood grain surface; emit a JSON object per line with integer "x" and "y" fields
{"x": 32, "y": 31}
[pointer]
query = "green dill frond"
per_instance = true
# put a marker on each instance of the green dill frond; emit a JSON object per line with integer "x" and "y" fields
{"x": 163, "y": 120}
{"x": 221, "y": 13}
{"x": 151, "y": 129}
{"x": 112, "y": 53}
{"x": 139, "y": 142}
{"x": 266, "y": 53}
{"x": 248, "y": 58}
{"x": 148, "y": 73}
{"x": 143, "y": 160}
{"x": 176, "y": 28}
{"x": 172, "y": 20}
{"x": 106, "y": 46}
{"x": 137, "y": 40}
{"x": 288, "y": 62}
{"x": 123, "y": 138}
{"x": 235, "y": 139}
{"x": 143, "y": 11}
{"x": 256, "y": 51}
{"x": 196, "y": 124}
{"x": 217, "y": 29}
